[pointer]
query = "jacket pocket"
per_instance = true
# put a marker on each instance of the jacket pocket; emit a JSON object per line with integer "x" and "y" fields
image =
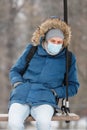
{"x": 20, "y": 92}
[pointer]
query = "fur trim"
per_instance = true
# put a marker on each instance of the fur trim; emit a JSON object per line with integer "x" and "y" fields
{"x": 49, "y": 24}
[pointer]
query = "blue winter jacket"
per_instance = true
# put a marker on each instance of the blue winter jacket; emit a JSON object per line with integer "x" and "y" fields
{"x": 44, "y": 74}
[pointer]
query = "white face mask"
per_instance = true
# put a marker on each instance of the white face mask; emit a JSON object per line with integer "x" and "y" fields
{"x": 54, "y": 48}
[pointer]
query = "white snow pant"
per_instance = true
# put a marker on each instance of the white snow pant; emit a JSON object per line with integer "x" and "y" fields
{"x": 19, "y": 112}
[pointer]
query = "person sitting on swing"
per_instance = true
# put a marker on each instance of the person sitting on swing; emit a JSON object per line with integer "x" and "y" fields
{"x": 34, "y": 89}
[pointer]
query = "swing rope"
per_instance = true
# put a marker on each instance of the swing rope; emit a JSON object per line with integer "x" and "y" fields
{"x": 65, "y": 11}
{"x": 65, "y": 103}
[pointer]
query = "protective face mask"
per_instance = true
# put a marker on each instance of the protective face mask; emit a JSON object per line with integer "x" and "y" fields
{"x": 54, "y": 48}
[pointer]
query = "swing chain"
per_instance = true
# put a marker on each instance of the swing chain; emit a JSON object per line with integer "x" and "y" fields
{"x": 65, "y": 107}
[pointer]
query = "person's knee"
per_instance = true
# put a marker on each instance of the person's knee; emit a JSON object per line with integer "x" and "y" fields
{"x": 43, "y": 121}
{"x": 43, "y": 124}
{"x": 15, "y": 125}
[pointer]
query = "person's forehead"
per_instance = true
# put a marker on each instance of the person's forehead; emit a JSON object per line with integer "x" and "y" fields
{"x": 56, "y": 38}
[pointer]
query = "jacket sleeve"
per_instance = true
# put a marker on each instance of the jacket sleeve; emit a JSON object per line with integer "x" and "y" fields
{"x": 15, "y": 72}
{"x": 73, "y": 83}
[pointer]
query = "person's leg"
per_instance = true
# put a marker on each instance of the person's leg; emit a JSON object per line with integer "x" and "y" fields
{"x": 43, "y": 115}
{"x": 16, "y": 116}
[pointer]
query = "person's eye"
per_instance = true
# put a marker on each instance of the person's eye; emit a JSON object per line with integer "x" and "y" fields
{"x": 52, "y": 40}
{"x": 60, "y": 42}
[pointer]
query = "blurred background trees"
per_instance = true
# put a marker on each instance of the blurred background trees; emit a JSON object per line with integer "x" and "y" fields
{"x": 19, "y": 19}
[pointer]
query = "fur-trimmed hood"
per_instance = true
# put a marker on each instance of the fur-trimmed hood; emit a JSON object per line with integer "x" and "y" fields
{"x": 50, "y": 24}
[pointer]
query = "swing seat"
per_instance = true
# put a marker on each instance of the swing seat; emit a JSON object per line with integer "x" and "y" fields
{"x": 65, "y": 117}
{"x": 60, "y": 117}
{"x": 56, "y": 117}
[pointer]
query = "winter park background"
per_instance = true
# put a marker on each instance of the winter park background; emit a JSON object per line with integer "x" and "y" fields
{"x": 18, "y": 20}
